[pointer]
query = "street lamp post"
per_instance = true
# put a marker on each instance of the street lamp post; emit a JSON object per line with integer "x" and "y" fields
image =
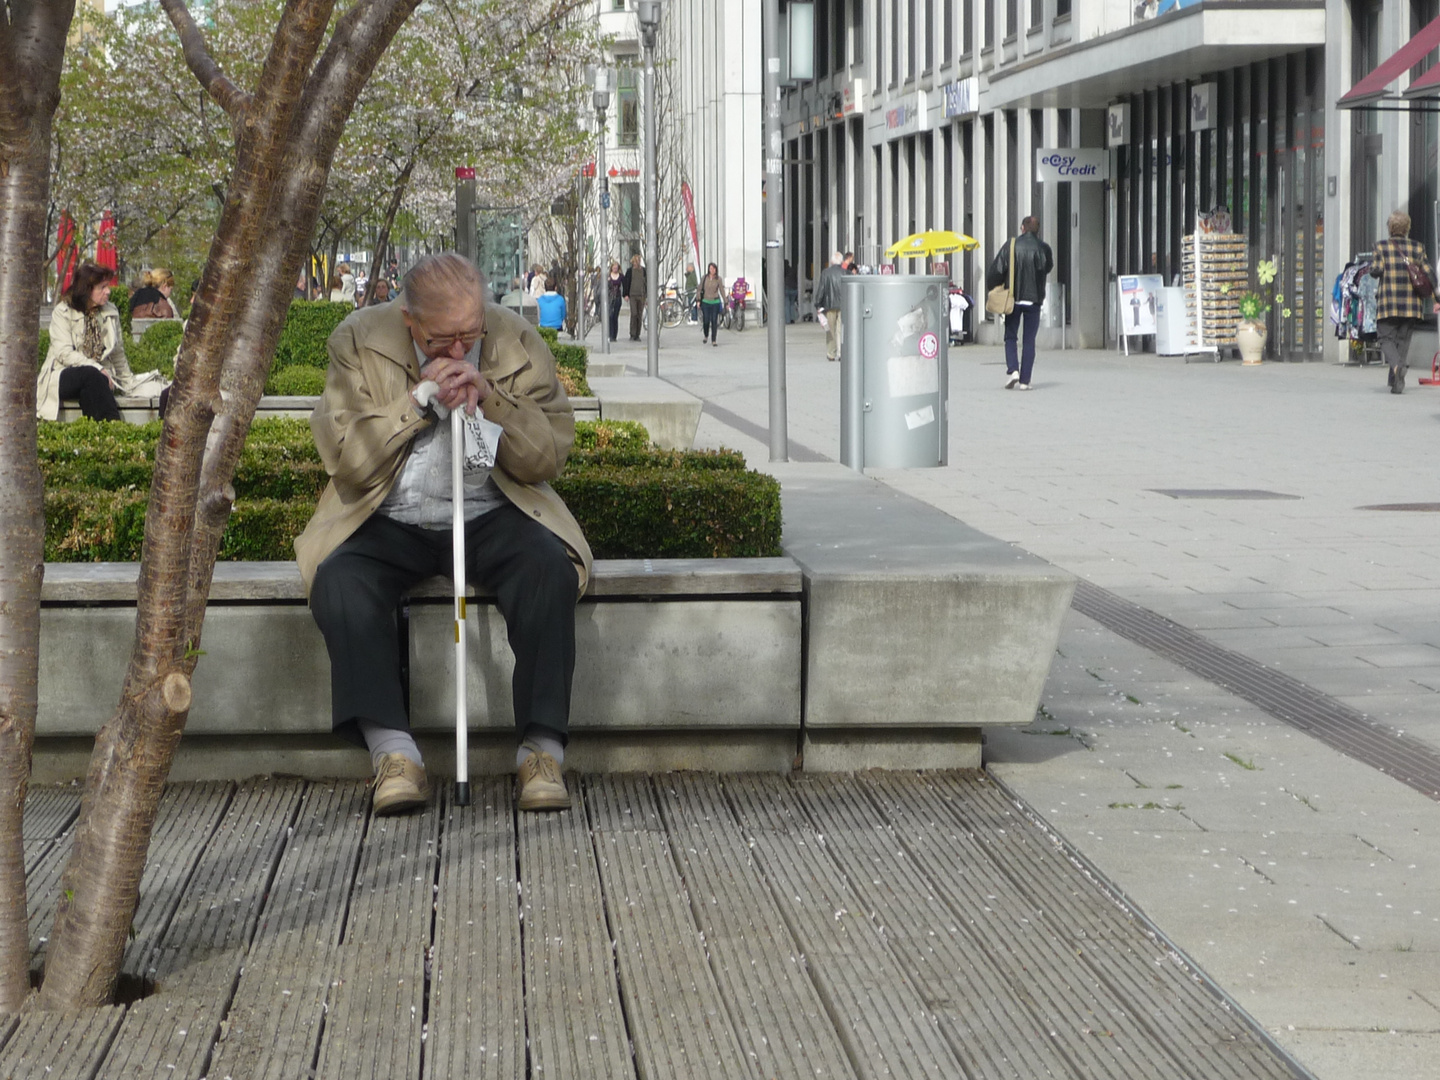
{"x": 601, "y": 99}
{"x": 648, "y": 12}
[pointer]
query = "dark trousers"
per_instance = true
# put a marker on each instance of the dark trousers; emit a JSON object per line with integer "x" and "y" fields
{"x": 358, "y": 587}
{"x": 1394, "y": 337}
{"x": 710, "y": 320}
{"x": 1023, "y": 321}
{"x": 614, "y": 315}
{"x": 637, "y": 309}
{"x": 91, "y": 388}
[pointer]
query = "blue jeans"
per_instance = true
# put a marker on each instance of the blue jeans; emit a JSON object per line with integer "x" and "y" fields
{"x": 1029, "y": 316}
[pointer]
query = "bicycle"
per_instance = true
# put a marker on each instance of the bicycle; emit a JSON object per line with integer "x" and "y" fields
{"x": 672, "y": 311}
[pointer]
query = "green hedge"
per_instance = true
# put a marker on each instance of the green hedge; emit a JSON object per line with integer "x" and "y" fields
{"x": 631, "y": 502}
{"x": 298, "y": 381}
{"x": 308, "y": 325}
{"x": 155, "y": 351}
{"x": 120, "y": 297}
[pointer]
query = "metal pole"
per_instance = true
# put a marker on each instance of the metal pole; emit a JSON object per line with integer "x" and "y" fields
{"x": 457, "y": 502}
{"x": 775, "y": 234}
{"x": 604, "y": 240}
{"x": 652, "y": 271}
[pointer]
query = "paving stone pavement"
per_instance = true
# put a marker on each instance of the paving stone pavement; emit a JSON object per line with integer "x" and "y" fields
{"x": 1304, "y": 882}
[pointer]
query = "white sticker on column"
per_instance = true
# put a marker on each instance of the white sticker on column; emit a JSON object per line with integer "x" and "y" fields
{"x": 911, "y": 375}
{"x": 920, "y": 417}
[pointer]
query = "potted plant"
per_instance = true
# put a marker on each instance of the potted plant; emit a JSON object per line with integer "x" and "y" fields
{"x": 1254, "y": 305}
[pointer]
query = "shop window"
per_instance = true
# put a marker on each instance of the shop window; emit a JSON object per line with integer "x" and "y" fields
{"x": 627, "y": 101}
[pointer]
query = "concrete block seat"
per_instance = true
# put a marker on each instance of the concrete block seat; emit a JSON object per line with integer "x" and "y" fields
{"x": 670, "y": 415}
{"x": 680, "y": 664}
{"x": 919, "y": 629}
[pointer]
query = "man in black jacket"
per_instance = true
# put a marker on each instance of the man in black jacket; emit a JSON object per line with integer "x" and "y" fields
{"x": 1033, "y": 261}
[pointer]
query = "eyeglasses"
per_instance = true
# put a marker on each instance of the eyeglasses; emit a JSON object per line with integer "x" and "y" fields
{"x": 444, "y": 341}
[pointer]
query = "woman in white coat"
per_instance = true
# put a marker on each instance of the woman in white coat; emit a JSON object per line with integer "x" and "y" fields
{"x": 86, "y": 361}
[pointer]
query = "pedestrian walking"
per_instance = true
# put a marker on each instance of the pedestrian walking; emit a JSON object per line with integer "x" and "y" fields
{"x": 827, "y": 303}
{"x": 1407, "y": 281}
{"x": 615, "y": 284}
{"x": 1032, "y": 262}
{"x": 551, "y": 303}
{"x": 711, "y": 294}
{"x": 692, "y": 286}
{"x": 635, "y": 290}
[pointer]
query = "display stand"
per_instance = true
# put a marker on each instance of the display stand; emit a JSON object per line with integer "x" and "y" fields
{"x": 1217, "y": 271}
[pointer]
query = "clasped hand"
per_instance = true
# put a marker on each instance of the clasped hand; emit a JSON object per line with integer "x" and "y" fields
{"x": 460, "y": 383}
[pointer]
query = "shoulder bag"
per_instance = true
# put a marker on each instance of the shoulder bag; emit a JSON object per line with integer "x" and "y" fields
{"x": 1001, "y": 299}
{"x": 1419, "y": 279}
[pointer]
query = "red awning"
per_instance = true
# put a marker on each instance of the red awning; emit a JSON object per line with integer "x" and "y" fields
{"x": 1426, "y": 84}
{"x": 1374, "y": 85}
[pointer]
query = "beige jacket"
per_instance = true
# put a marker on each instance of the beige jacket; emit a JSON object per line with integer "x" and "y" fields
{"x": 364, "y": 426}
{"x": 67, "y": 333}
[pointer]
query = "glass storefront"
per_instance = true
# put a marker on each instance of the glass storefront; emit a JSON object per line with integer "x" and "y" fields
{"x": 1263, "y": 160}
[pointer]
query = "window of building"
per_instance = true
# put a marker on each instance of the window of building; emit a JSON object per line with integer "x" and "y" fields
{"x": 856, "y": 22}
{"x": 894, "y": 40}
{"x": 1037, "y": 14}
{"x": 929, "y": 33}
{"x": 911, "y": 32}
{"x": 821, "y": 39}
{"x": 1062, "y": 9}
{"x": 839, "y": 31}
{"x": 987, "y": 38}
{"x": 627, "y": 106}
{"x": 967, "y": 27}
{"x": 1423, "y": 147}
{"x": 947, "y": 31}
{"x": 1012, "y": 18}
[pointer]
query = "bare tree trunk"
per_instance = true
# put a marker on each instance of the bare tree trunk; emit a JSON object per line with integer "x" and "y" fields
{"x": 282, "y": 160}
{"x": 32, "y": 46}
{"x": 382, "y": 244}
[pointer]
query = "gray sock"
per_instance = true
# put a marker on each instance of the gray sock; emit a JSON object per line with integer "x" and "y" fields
{"x": 383, "y": 740}
{"x": 546, "y": 743}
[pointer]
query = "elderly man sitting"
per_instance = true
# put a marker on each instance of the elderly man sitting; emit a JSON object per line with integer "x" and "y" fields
{"x": 384, "y": 521}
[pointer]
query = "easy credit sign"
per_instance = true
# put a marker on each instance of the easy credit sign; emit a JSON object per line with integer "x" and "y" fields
{"x": 1072, "y": 163}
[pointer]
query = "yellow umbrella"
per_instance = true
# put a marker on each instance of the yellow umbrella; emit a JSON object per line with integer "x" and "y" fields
{"x": 925, "y": 244}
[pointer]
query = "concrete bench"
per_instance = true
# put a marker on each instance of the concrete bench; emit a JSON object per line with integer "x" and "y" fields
{"x": 919, "y": 629}
{"x": 680, "y": 664}
{"x": 143, "y": 410}
{"x": 888, "y": 636}
{"x": 669, "y": 414}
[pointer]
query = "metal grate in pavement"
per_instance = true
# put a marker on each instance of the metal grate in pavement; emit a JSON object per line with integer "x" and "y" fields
{"x": 1221, "y": 493}
{"x": 1334, "y": 723}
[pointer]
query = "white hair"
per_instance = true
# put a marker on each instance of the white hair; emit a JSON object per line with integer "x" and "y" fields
{"x": 836, "y": 258}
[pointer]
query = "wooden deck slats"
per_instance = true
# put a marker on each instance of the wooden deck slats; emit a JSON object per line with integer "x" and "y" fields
{"x": 987, "y": 1025}
{"x": 477, "y": 1014}
{"x": 776, "y": 1009}
{"x": 273, "y": 1028}
{"x": 376, "y": 1008}
{"x": 183, "y": 821}
{"x": 50, "y": 810}
{"x": 1091, "y": 1025}
{"x": 886, "y": 926}
{"x": 873, "y": 1003}
{"x": 678, "y": 1022}
{"x": 1177, "y": 1010}
{"x": 197, "y": 964}
{"x": 572, "y": 999}
{"x": 49, "y": 1044}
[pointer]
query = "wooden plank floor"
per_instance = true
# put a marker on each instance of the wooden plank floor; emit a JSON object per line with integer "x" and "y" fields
{"x": 685, "y": 924}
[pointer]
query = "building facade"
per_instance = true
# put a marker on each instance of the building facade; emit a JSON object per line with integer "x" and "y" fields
{"x": 930, "y": 114}
{"x": 708, "y": 80}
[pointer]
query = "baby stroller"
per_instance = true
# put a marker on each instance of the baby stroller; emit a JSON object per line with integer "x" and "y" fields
{"x": 959, "y": 304}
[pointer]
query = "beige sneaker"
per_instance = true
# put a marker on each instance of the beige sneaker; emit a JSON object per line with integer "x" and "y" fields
{"x": 400, "y": 785}
{"x": 541, "y": 785}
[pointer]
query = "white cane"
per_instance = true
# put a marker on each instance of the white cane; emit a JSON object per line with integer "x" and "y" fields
{"x": 457, "y": 501}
